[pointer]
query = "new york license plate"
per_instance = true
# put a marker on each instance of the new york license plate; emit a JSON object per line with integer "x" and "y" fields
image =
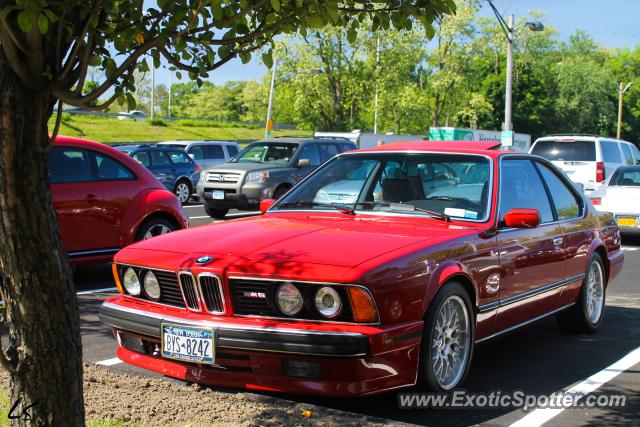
{"x": 628, "y": 222}
{"x": 189, "y": 344}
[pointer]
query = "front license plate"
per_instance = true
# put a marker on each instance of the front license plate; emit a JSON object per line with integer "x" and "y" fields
{"x": 217, "y": 195}
{"x": 188, "y": 344}
{"x": 628, "y": 222}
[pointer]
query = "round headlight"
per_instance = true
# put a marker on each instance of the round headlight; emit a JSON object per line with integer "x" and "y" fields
{"x": 289, "y": 299}
{"x": 131, "y": 282}
{"x": 151, "y": 286}
{"x": 328, "y": 302}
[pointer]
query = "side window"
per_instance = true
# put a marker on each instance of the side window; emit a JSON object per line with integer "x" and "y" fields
{"x": 310, "y": 151}
{"x": 328, "y": 151}
{"x": 636, "y": 154}
{"x": 628, "y": 157}
{"x": 68, "y": 165}
{"x": 160, "y": 158}
{"x": 179, "y": 157}
{"x": 196, "y": 152}
{"x": 347, "y": 146}
{"x": 111, "y": 170}
{"x": 520, "y": 187}
{"x": 610, "y": 152}
{"x": 566, "y": 203}
{"x": 143, "y": 157}
{"x": 213, "y": 152}
{"x": 232, "y": 150}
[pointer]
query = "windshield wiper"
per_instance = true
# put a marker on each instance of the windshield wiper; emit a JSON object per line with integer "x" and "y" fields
{"x": 407, "y": 208}
{"x": 301, "y": 203}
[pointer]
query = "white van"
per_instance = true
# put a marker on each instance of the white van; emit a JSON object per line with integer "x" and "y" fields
{"x": 586, "y": 159}
{"x": 207, "y": 153}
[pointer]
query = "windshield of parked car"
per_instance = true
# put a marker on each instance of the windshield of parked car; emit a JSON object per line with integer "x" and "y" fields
{"x": 456, "y": 185}
{"x": 628, "y": 177}
{"x": 582, "y": 151}
{"x": 267, "y": 152}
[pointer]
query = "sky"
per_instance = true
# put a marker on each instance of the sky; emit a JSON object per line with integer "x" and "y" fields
{"x": 612, "y": 23}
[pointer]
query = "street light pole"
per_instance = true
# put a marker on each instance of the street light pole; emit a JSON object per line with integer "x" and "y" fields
{"x": 269, "y": 126}
{"x": 375, "y": 101}
{"x": 153, "y": 89}
{"x": 508, "y": 98}
{"x": 621, "y": 90}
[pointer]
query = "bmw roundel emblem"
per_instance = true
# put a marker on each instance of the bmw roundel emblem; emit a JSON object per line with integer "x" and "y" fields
{"x": 204, "y": 259}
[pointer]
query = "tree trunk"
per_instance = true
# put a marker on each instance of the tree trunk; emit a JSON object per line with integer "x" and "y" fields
{"x": 44, "y": 351}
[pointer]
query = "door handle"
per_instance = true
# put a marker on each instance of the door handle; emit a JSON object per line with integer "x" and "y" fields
{"x": 557, "y": 241}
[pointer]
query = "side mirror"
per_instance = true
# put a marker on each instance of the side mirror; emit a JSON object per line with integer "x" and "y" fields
{"x": 522, "y": 218}
{"x": 266, "y": 204}
{"x": 303, "y": 163}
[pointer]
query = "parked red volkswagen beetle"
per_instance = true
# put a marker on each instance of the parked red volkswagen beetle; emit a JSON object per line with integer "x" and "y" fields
{"x": 383, "y": 268}
{"x": 105, "y": 200}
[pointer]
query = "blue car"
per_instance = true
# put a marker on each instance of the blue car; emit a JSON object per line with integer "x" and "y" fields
{"x": 172, "y": 166}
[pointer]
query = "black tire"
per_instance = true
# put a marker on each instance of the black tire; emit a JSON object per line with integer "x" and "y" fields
{"x": 280, "y": 191}
{"x": 578, "y": 318}
{"x": 178, "y": 190}
{"x": 216, "y": 213}
{"x": 154, "y": 227}
{"x": 452, "y": 291}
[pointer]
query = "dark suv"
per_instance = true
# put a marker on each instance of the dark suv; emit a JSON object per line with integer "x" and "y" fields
{"x": 172, "y": 166}
{"x": 264, "y": 170}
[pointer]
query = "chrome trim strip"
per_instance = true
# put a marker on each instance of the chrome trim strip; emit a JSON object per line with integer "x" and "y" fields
{"x": 222, "y": 325}
{"x": 219, "y": 282}
{"x": 146, "y": 267}
{"x": 195, "y": 290}
{"x": 533, "y": 292}
{"x": 93, "y": 252}
{"x": 525, "y": 323}
{"x": 484, "y": 308}
{"x": 375, "y": 303}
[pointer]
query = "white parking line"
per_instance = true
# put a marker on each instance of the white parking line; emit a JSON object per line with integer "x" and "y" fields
{"x": 540, "y": 416}
{"x": 629, "y": 248}
{"x": 193, "y": 206}
{"x": 109, "y": 362}
{"x": 96, "y": 291}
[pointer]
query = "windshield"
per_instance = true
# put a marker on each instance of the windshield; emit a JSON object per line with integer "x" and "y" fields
{"x": 581, "y": 151}
{"x": 628, "y": 177}
{"x": 267, "y": 152}
{"x": 450, "y": 184}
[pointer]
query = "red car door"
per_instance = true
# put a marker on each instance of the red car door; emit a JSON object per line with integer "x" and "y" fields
{"x": 76, "y": 199}
{"x": 531, "y": 260}
{"x": 119, "y": 186}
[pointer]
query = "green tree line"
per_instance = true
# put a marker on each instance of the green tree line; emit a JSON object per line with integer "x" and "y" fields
{"x": 328, "y": 80}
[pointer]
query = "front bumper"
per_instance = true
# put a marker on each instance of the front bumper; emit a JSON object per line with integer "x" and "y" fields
{"x": 252, "y": 353}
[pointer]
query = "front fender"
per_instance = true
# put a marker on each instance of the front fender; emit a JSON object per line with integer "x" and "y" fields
{"x": 441, "y": 274}
{"x": 146, "y": 203}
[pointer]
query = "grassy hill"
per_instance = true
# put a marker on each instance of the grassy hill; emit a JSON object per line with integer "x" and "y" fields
{"x": 113, "y": 130}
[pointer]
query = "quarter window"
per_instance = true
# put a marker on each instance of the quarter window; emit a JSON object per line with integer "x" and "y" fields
{"x": 566, "y": 203}
{"x": 111, "y": 170}
{"x": 610, "y": 152}
{"x": 628, "y": 157}
{"x": 68, "y": 165}
{"x": 179, "y": 157}
{"x": 521, "y": 188}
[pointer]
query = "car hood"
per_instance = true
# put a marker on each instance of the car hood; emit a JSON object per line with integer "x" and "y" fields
{"x": 244, "y": 167}
{"x": 284, "y": 239}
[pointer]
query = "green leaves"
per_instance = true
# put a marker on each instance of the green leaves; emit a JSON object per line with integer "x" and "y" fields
{"x": 275, "y": 4}
{"x": 267, "y": 59}
{"x": 26, "y": 19}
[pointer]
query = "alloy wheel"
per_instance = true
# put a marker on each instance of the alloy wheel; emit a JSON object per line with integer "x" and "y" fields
{"x": 156, "y": 230}
{"x": 595, "y": 292}
{"x": 182, "y": 192}
{"x": 450, "y": 344}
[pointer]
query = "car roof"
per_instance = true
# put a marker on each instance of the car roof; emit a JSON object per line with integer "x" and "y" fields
{"x": 136, "y": 147}
{"x": 300, "y": 140}
{"x": 187, "y": 142}
{"x": 488, "y": 148}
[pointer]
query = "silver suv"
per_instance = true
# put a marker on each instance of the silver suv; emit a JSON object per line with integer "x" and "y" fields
{"x": 265, "y": 169}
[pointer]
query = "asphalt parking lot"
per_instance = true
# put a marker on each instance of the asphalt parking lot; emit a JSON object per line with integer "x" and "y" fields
{"x": 540, "y": 359}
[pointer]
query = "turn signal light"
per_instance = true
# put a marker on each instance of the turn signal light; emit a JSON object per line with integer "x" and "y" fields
{"x": 114, "y": 268}
{"x": 599, "y": 172}
{"x": 362, "y": 305}
{"x": 596, "y": 201}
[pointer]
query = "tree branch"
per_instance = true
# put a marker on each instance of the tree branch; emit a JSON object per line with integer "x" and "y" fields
{"x": 16, "y": 60}
{"x": 13, "y": 36}
{"x": 66, "y": 69}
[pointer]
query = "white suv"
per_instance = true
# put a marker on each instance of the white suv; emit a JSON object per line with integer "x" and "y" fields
{"x": 586, "y": 159}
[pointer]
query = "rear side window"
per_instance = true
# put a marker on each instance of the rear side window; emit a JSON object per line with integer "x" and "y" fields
{"x": 67, "y": 165}
{"x": 521, "y": 188}
{"x": 179, "y": 157}
{"x": 213, "y": 152}
{"x": 310, "y": 152}
{"x": 328, "y": 151}
{"x": 566, "y": 203}
{"x": 581, "y": 151}
{"x": 610, "y": 152}
{"x": 626, "y": 177}
{"x": 143, "y": 157}
{"x": 111, "y": 170}
{"x": 347, "y": 146}
{"x": 628, "y": 157}
{"x": 232, "y": 150}
{"x": 196, "y": 152}
{"x": 160, "y": 158}
{"x": 636, "y": 153}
